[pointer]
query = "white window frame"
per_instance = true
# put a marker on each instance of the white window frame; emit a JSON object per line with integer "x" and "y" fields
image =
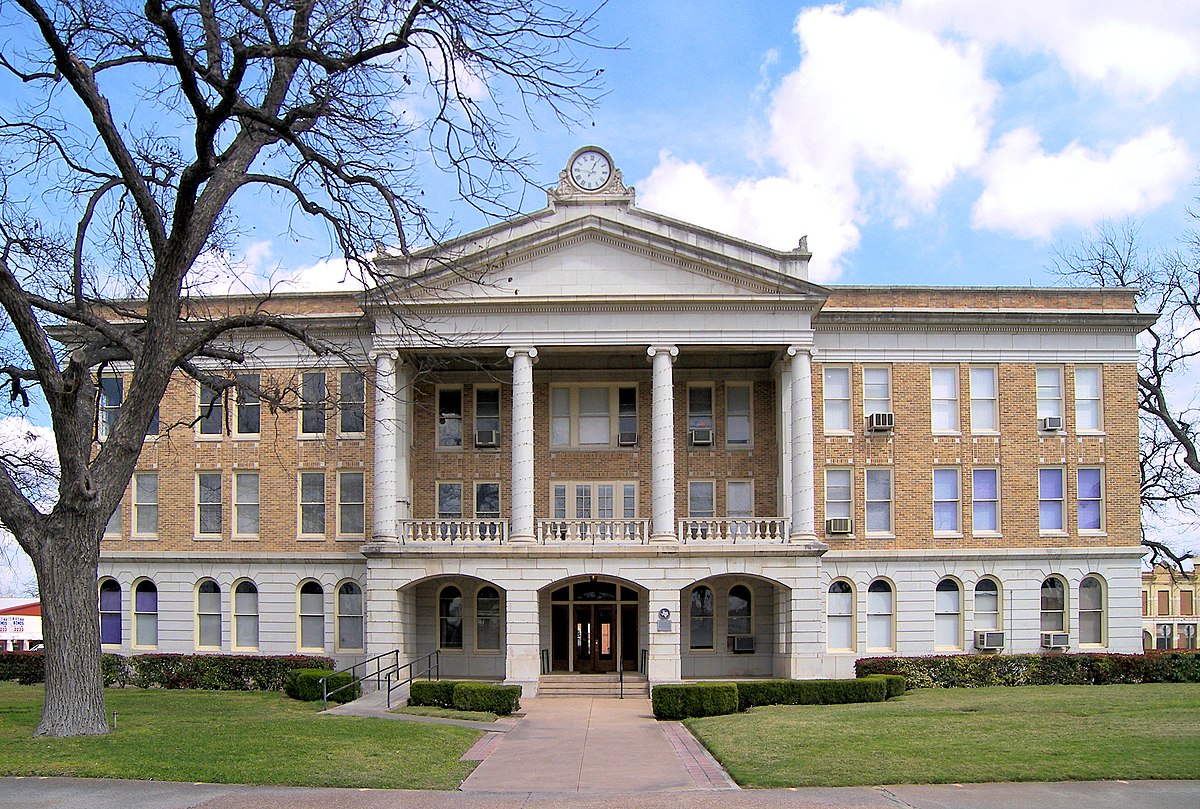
{"x": 144, "y": 506}
{"x": 981, "y": 404}
{"x": 977, "y": 501}
{"x": 301, "y": 615}
{"x": 739, "y": 514}
{"x": 246, "y": 400}
{"x": 1100, "y": 613}
{"x": 344, "y": 503}
{"x": 138, "y": 639}
{"x": 301, "y": 504}
{"x": 744, "y": 621}
{"x": 1098, "y": 429}
{"x": 944, "y": 613}
{"x": 845, "y": 618}
{"x": 239, "y": 612}
{"x": 480, "y": 421}
{"x": 107, "y": 411}
{"x": 313, "y": 406}
{"x": 1044, "y": 500}
{"x": 444, "y": 415}
{"x": 831, "y": 403}
{"x": 1063, "y": 614}
{"x": 340, "y": 616}
{"x": 445, "y": 619}
{"x": 731, "y": 414}
{"x": 998, "y": 612}
{"x": 698, "y": 486}
{"x": 206, "y": 416}
{"x": 871, "y": 405}
{"x": 702, "y": 615}
{"x": 891, "y": 501}
{"x": 943, "y": 474}
{"x": 497, "y": 615}
{"x": 566, "y": 507}
{"x": 1080, "y": 500}
{"x": 1049, "y": 397}
{"x": 113, "y": 527}
{"x": 878, "y": 619}
{"x": 205, "y": 611}
{"x": 844, "y": 508}
{"x": 950, "y": 404}
{"x": 347, "y": 407}
{"x": 487, "y": 515}
{"x": 218, "y": 503}
{"x": 572, "y": 418}
{"x": 696, "y": 418}
{"x": 243, "y": 507}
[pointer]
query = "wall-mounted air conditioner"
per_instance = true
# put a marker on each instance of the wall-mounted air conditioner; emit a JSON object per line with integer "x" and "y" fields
{"x": 1051, "y": 424}
{"x": 742, "y": 644}
{"x": 881, "y": 422}
{"x": 627, "y": 439}
{"x": 485, "y": 439}
{"x": 989, "y": 640}
{"x": 1055, "y": 640}
{"x": 839, "y": 525}
{"x": 700, "y": 438}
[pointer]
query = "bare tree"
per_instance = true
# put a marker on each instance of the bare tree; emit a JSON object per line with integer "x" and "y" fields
{"x": 133, "y": 135}
{"x": 1168, "y": 285}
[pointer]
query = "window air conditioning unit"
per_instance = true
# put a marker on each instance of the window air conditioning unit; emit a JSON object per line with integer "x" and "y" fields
{"x": 742, "y": 644}
{"x": 487, "y": 438}
{"x": 1051, "y": 424}
{"x": 1055, "y": 640}
{"x": 627, "y": 439}
{"x": 989, "y": 640}
{"x": 839, "y": 525}
{"x": 881, "y": 422}
{"x": 700, "y": 438}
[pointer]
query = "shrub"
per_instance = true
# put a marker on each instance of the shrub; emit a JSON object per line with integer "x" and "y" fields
{"x": 501, "y": 700}
{"x": 305, "y": 685}
{"x": 218, "y": 672}
{"x": 694, "y": 699}
{"x": 894, "y": 683}
{"x": 810, "y": 692}
{"x": 439, "y": 693}
{"x": 26, "y": 668}
{"x": 977, "y": 671}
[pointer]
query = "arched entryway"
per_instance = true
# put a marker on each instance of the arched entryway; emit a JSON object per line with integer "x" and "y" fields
{"x": 733, "y": 625}
{"x": 592, "y": 625}
{"x": 460, "y": 616}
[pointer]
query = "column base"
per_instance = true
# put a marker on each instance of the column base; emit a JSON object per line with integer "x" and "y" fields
{"x": 665, "y": 538}
{"x": 522, "y": 539}
{"x": 801, "y": 537}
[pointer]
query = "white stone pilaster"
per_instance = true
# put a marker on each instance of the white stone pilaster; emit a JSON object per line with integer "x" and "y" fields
{"x": 522, "y": 639}
{"x": 402, "y": 494}
{"x": 663, "y": 660}
{"x": 522, "y": 528}
{"x": 803, "y": 515}
{"x": 384, "y": 508}
{"x": 662, "y": 528}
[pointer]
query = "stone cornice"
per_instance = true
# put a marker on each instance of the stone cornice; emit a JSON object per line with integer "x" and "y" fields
{"x": 975, "y": 320}
{"x": 923, "y": 555}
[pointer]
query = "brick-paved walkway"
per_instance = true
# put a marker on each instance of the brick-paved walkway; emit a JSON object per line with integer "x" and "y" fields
{"x": 706, "y": 772}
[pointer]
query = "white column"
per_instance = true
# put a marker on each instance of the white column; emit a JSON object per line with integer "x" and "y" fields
{"x": 664, "y": 664}
{"x": 521, "y": 529}
{"x": 662, "y": 528}
{"x": 803, "y": 511}
{"x": 522, "y": 638}
{"x": 384, "y": 522}
{"x": 404, "y": 399}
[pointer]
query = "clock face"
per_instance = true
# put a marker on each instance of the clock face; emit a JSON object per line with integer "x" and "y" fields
{"x": 590, "y": 170}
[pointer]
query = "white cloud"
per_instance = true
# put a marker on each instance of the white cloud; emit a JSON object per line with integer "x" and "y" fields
{"x": 257, "y": 271}
{"x": 1031, "y": 193}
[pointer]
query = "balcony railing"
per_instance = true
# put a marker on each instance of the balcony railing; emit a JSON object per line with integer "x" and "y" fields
{"x": 454, "y": 532}
{"x": 733, "y": 531}
{"x": 593, "y": 532}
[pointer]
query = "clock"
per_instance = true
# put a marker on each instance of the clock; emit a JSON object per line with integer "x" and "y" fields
{"x": 591, "y": 169}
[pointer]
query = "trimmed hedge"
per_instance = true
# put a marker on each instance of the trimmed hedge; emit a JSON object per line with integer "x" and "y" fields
{"x": 810, "y": 692}
{"x": 694, "y": 699}
{"x": 978, "y": 671}
{"x": 211, "y": 672}
{"x": 895, "y": 684}
{"x": 305, "y": 685}
{"x": 438, "y": 693}
{"x": 501, "y": 700}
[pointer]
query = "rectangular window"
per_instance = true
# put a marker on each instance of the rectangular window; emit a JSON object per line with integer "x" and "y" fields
{"x": 985, "y": 501}
{"x": 984, "y": 417}
{"x": 208, "y": 503}
{"x": 249, "y": 404}
{"x": 113, "y": 527}
{"x": 245, "y": 504}
{"x": 450, "y": 417}
{"x": 627, "y": 420}
{"x": 112, "y": 393}
{"x": 352, "y": 403}
{"x": 449, "y": 503}
{"x": 212, "y": 411}
{"x": 879, "y": 501}
{"x": 1049, "y": 392}
{"x": 737, "y": 415}
{"x": 312, "y": 403}
{"x": 1050, "y": 499}
{"x": 700, "y": 499}
{"x": 312, "y": 503}
{"x": 145, "y": 504}
{"x": 700, "y": 407}
{"x": 487, "y": 501}
{"x": 152, "y": 427}
{"x": 943, "y": 391}
{"x": 877, "y": 390}
{"x": 593, "y": 415}
{"x": 594, "y": 421}
{"x": 837, "y": 399}
{"x": 839, "y": 494}
{"x": 487, "y": 410}
{"x": 351, "y": 508}
{"x": 739, "y": 499}
{"x": 1089, "y": 416}
{"x": 1187, "y": 604}
{"x": 945, "y": 501}
{"x": 1090, "y": 494}
{"x": 1164, "y": 602}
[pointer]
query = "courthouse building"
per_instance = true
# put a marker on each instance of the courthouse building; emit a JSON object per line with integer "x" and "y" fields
{"x": 597, "y": 439}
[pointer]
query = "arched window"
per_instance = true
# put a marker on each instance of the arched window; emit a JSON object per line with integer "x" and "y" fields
{"x": 741, "y": 616}
{"x": 110, "y": 612}
{"x": 350, "y": 633}
{"x": 450, "y": 635}
{"x": 1091, "y": 611}
{"x": 145, "y": 614}
{"x": 947, "y": 615}
{"x": 840, "y": 614}
{"x": 1054, "y": 605}
{"x": 312, "y": 616}
{"x": 245, "y": 615}
{"x": 208, "y": 615}
{"x": 987, "y": 605}
{"x": 487, "y": 619}
{"x": 879, "y": 615}
{"x": 700, "y": 611}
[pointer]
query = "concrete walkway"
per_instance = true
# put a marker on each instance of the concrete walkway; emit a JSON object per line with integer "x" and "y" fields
{"x": 584, "y": 745}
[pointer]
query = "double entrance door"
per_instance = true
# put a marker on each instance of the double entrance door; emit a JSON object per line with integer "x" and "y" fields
{"x": 594, "y": 636}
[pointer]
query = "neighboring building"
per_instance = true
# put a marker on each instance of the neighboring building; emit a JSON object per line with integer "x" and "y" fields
{"x": 20, "y": 624}
{"x": 595, "y": 437}
{"x": 1169, "y": 616}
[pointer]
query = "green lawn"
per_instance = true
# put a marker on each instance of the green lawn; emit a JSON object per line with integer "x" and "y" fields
{"x": 965, "y": 735}
{"x": 237, "y": 738}
{"x": 446, "y": 713}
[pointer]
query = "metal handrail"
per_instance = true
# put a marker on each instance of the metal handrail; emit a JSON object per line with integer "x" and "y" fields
{"x": 355, "y": 679}
{"x": 644, "y": 661}
{"x": 545, "y": 661}
{"x": 432, "y": 671}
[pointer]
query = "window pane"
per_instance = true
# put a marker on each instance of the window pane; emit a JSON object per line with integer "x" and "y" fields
{"x": 450, "y": 417}
{"x": 737, "y": 414}
{"x": 739, "y": 618}
{"x": 837, "y": 399}
{"x": 738, "y": 499}
{"x": 700, "y": 407}
{"x": 700, "y": 499}
{"x": 983, "y": 399}
{"x": 487, "y": 500}
{"x": 450, "y": 500}
{"x": 212, "y": 415}
{"x": 312, "y": 408}
{"x": 594, "y": 423}
{"x": 249, "y": 408}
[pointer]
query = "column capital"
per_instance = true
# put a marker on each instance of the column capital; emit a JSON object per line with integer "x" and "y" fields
{"x": 374, "y": 354}
{"x": 793, "y": 350}
{"x": 528, "y": 351}
{"x": 670, "y": 351}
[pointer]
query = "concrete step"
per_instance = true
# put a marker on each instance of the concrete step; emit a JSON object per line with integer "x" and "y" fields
{"x": 591, "y": 685}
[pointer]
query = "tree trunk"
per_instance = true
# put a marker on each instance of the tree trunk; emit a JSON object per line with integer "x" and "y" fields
{"x": 71, "y": 630}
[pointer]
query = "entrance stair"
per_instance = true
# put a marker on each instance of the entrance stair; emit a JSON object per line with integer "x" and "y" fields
{"x": 605, "y": 686}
